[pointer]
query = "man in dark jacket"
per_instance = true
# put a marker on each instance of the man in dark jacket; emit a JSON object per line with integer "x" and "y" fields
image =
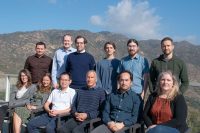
{"x": 168, "y": 61}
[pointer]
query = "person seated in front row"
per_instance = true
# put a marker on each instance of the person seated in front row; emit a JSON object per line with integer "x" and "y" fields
{"x": 61, "y": 101}
{"x": 87, "y": 105}
{"x": 121, "y": 107}
{"x": 166, "y": 109}
{"x": 37, "y": 102}
{"x": 19, "y": 97}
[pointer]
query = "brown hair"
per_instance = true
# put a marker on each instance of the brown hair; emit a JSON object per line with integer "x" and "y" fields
{"x": 109, "y": 43}
{"x": 41, "y": 87}
{"x": 175, "y": 87}
{"x": 19, "y": 81}
{"x": 78, "y": 37}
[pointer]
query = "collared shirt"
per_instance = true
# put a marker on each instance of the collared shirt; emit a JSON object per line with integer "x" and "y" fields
{"x": 62, "y": 99}
{"x": 121, "y": 107}
{"x": 89, "y": 101}
{"x": 38, "y": 66}
{"x": 59, "y": 62}
{"x": 138, "y": 66}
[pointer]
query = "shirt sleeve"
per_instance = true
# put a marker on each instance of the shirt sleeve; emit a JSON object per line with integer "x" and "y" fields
{"x": 106, "y": 111}
{"x": 54, "y": 69}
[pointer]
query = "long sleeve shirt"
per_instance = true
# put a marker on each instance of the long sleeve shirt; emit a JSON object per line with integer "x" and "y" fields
{"x": 175, "y": 65}
{"x": 78, "y": 64}
{"x": 89, "y": 100}
{"x": 38, "y": 66}
{"x": 59, "y": 62}
{"x": 122, "y": 107}
{"x": 178, "y": 108}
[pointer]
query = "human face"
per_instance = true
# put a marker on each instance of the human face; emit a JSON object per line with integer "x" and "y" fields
{"x": 67, "y": 42}
{"x": 80, "y": 46}
{"x": 40, "y": 50}
{"x": 91, "y": 79}
{"x": 125, "y": 82}
{"x": 132, "y": 49}
{"x": 166, "y": 83}
{"x": 24, "y": 78}
{"x": 65, "y": 81}
{"x": 109, "y": 49}
{"x": 46, "y": 81}
{"x": 167, "y": 47}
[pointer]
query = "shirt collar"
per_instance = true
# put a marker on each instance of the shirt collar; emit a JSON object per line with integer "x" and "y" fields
{"x": 67, "y": 50}
{"x": 83, "y": 51}
{"x": 66, "y": 91}
{"x": 125, "y": 93}
{"x": 136, "y": 57}
{"x": 40, "y": 56}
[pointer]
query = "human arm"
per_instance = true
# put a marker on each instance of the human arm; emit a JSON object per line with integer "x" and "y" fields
{"x": 146, "y": 114}
{"x": 153, "y": 77}
{"x": 184, "y": 79}
{"x": 26, "y": 65}
{"x": 54, "y": 71}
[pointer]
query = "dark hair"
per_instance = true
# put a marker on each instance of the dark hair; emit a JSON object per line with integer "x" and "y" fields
{"x": 19, "y": 81}
{"x": 132, "y": 40}
{"x": 166, "y": 39}
{"x": 67, "y": 35}
{"x": 109, "y": 43}
{"x": 78, "y": 37}
{"x": 41, "y": 87}
{"x": 66, "y": 73}
{"x": 125, "y": 71}
{"x": 40, "y": 43}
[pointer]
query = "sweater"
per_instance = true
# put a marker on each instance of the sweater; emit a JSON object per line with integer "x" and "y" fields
{"x": 107, "y": 74}
{"x": 175, "y": 65}
{"x": 178, "y": 108}
{"x": 78, "y": 64}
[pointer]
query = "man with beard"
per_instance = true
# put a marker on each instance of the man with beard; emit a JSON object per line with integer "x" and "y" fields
{"x": 168, "y": 61}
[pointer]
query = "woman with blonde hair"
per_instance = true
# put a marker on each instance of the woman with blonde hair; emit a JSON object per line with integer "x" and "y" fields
{"x": 166, "y": 109}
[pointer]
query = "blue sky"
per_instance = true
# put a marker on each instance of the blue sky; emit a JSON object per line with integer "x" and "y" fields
{"x": 141, "y": 19}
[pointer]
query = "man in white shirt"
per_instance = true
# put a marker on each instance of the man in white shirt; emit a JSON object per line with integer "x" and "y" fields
{"x": 61, "y": 101}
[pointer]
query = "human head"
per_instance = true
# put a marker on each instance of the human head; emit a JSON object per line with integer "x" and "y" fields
{"x": 167, "y": 84}
{"x": 67, "y": 41}
{"x": 80, "y": 42}
{"x": 45, "y": 83}
{"x": 40, "y": 48}
{"x": 133, "y": 47}
{"x": 24, "y": 77}
{"x": 167, "y": 46}
{"x": 125, "y": 79}
{"x": 65, "y": 80}
{"x": 91, "y": 79}
{"x": 109, "y": 48}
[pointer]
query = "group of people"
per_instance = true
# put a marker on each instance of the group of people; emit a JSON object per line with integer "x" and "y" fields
{"x": 112, "y": 89}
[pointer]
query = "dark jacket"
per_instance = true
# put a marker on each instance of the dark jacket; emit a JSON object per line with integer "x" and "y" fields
{"x": 178, "y": 109}
{"x": 175, "y": 65}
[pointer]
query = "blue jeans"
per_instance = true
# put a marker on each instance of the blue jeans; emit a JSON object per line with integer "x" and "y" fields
{"x": 42, "y": 120}
{"x": 162, "y": 129}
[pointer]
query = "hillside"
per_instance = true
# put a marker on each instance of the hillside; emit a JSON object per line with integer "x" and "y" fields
{"x": 16, "y": 47}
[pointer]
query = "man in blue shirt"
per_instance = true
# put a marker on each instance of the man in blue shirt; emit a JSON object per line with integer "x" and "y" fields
{"x": 79, "y": 63}
{"x": 121, "y": 107}
{"x": 60, "y": 57}
{"x": 86, "y": 106}
{"x": 138, "y": 66}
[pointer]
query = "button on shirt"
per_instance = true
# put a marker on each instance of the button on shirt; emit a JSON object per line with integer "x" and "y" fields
{"x": 62, "y": 100}
{"x": 59, "y": 62}
{"x": 122, "y": 107}
{"x": 138, "y": 66}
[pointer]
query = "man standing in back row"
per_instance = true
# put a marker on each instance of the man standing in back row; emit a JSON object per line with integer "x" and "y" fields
{"x": 39, "y": 63}
{"x": 168, "y": 61}
{"x": 60, "y": 58}
{"x": 79, "y": 63}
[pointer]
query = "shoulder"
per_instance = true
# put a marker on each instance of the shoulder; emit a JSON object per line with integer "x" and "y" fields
{"x": 30, "y": 57}
{"x": 72, "y": 91}
{"x": 47, "y": 57}
{"x": 179, "y": 98}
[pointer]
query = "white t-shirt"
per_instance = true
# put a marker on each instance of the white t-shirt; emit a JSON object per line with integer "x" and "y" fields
{"x": 21, "y": 92}
{"x": 62, "y": 100}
